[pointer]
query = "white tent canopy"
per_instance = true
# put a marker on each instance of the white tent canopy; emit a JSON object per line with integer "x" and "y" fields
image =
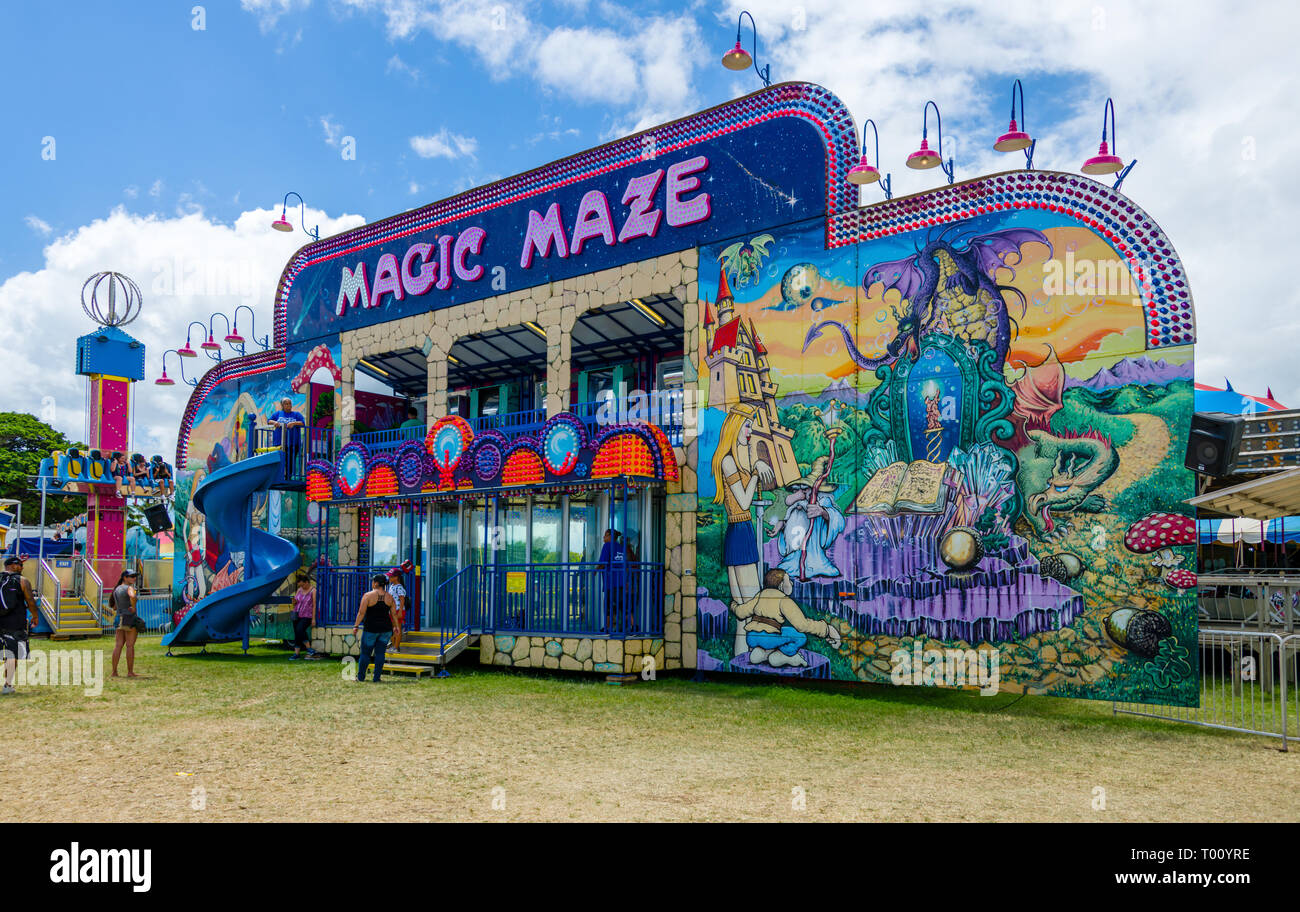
{"x": 1264, "y": 498}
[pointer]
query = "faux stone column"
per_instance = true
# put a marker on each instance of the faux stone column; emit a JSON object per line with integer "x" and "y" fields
{"x": 560, "y": 315}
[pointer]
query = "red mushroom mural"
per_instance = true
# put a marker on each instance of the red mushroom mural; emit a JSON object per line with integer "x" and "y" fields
{"x": 1159, "y": 534}
{"x": 317, "y": 358}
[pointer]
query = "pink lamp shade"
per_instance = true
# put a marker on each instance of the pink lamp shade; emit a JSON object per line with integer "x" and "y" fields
{"x": 211, "y": 344}
{"x": 863, "y": 173}
{"x": 1013, "y": 140}
{"x": 737, "y": 58}
{"x": 282, "y": 224}
{"x": 1103, "y": 162}
{"x": 164, "y": 380}
{"x": 187, "y": 352}
{"x": 924, "y": 158}
{"x": 234, "y": 338}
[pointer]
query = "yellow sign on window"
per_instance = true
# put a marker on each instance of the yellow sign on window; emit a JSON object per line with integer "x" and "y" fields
{"x": 516, "y": 581}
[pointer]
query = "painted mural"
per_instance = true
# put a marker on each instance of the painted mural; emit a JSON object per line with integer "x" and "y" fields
{"x": 944, "y": 451}
{"x": 204, "y": 563}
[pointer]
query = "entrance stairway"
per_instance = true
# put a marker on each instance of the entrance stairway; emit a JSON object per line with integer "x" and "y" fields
{"x": 419, "y": 654}
{"x": 74, "y": 620}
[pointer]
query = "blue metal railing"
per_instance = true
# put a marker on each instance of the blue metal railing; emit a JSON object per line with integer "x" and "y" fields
{"x": 378, "y": 441}
{"x": 296, "y": 447}
{"x": 669, "y": 414}
{"x": 568, "y": 600}
{"x": 510, "y": 422}
{"x": 339, "y": 591}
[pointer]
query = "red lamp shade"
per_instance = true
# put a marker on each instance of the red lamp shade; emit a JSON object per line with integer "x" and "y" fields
{"x": 924, "y": 158}
{"x": 187, "y": 352}
{"x": 737, "y": 58}
{"x": 863, "y": 173}
{"x": 1103, "y": 162}
{"x": 211, "y": 344}
{"x": 164, "y": 380}
{"x": 1013, "y": 140}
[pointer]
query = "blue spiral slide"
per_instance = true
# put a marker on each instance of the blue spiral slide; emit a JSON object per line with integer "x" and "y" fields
{"x": 226, "y": 500}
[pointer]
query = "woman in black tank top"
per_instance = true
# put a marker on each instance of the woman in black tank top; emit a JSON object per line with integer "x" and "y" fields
{"x": 377, "y": 616}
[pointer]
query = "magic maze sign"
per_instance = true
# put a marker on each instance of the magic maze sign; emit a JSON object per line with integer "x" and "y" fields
{"x": 768, "y": 174}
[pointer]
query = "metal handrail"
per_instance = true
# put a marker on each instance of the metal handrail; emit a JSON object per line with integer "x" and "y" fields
{"x": 56, "y": 611}
{"x": 96, "y": 605}
{"x": 458, "y": 624}
{"x": 390, "y": 439}
{"x": 588, "y": 598}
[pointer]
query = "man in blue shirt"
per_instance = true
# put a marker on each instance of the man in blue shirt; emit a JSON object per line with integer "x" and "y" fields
{"x": 288, "y": 436}
{"x": 613, "y": 560}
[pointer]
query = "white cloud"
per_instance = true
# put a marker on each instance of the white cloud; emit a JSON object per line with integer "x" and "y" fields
{"x": 332, "y": 129}
{"x": 397, "y": 65}
{"x": 444, "y": 144}
{"x": 187, "y": 267}
{"x": 155, "y": 189}
{"x": 131, "y": 192}
{"x": 38, "y": 225}
{"x": 268, "y": 12}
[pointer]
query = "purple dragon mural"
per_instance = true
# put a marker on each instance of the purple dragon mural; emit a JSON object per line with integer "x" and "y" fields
{"x": 947, "y": 286}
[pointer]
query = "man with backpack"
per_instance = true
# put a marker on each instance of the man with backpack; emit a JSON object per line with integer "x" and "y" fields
{"x": 16, "y": 605}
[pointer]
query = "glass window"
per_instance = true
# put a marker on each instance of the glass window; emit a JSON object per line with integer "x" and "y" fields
{"x": 473, "y": 545}
{"x": 585, "y": 534}
{"x": 546, "y": 530}
{"x": 512, "y": 517}
{"x": 385, "y": 535}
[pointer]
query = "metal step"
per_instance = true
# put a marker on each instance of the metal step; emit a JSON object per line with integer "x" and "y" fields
{"x": 400, "y": 667}
{"x": 453, "y": 649}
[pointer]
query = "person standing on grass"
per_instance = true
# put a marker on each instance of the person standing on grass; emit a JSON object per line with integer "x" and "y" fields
{"x": 127, "y": 621}
{"x": 17, "y": 618}
{"x": 378, "y": 616}
{"x": 400, "y": 602}
{"x": 304, "y": 616}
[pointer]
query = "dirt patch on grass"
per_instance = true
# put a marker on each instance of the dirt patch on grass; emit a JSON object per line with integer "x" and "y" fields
{"x": 269, "y": 739}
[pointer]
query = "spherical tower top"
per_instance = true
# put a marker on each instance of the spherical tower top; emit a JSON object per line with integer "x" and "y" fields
{"x": 111, "y": 299}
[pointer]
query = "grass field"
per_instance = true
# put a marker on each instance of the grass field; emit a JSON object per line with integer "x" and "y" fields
{"x": 264, "y": 738}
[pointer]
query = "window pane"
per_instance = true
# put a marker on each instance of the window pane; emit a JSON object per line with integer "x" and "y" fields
{"x": 512, "y": 514}
{"x": 584, "y": 529}
{"x": 384, "y": 540}
{"x": 546, "y": 530}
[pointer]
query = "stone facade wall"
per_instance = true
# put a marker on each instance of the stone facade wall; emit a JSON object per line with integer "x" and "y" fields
{"x": 556, "y": 307}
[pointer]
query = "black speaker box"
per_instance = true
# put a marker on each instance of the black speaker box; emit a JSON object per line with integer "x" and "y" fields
{"x": 157, "y": 518}
{"x": 1213, "y": 443}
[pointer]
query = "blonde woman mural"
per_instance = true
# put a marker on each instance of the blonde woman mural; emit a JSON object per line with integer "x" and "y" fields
{"x": 738, "y": 477}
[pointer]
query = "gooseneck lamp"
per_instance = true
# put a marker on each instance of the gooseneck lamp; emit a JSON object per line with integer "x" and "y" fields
{"x": 739, "y": 59}
{"x": 1017, "y": 138}
{"x": 925, "y": 158}
{"x": 866, "y": 173}
{"x": 283, "y": 223}
{"x": 1106, "y": 161}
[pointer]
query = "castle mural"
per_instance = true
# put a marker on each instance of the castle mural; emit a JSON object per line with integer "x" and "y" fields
{"x": 903, "y": 456}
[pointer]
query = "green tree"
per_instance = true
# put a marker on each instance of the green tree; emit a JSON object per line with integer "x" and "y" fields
{"x": 24, "y": 442}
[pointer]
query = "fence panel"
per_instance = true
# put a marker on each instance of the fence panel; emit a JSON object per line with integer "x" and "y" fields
{"x": 1248, "y": 684}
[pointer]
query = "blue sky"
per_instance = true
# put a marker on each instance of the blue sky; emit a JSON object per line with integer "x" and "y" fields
{"x": 174, "y": 144}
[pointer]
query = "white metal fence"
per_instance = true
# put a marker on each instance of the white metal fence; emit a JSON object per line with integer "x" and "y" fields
{"x": 1249, "y": 650}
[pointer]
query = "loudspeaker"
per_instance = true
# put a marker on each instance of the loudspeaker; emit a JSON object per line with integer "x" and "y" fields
{"x": 1213, "y": 443}
{"x": 157, "y": 518}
